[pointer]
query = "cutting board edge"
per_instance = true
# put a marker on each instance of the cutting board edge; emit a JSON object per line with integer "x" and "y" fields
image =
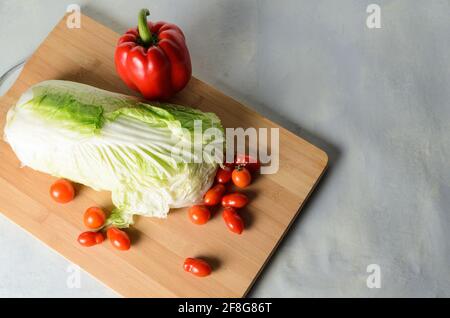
{"x": 285, "y": 232}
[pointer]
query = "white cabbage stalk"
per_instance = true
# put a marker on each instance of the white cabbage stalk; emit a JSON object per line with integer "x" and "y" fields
{"x": 112, "y": 142}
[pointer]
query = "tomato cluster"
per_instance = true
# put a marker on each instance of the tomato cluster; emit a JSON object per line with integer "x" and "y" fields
{"x": 63, "y": 191}
{"x": 240, "y": 174}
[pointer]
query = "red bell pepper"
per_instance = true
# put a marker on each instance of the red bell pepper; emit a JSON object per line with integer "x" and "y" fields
{"x": 153, "y": 58}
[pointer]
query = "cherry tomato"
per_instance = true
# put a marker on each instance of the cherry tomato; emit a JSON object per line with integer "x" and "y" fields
{"x": 213, "y": 196}
{"x": 99, "y": 237}
{"x": 197, "y": 266}
{"x": 118, "y": 238}
{"x": 233, "y": 220}
{"x": 62, "y": 191}
{"x": 223, "y": 175}
{"x": 241, "y": 177}
{"x": 94, "y": 218}
{"x": 252, "y": 164}
{"x": 199, "y": 214}
{"x": 235, "y": 200}
{"x": 90, "y": 238}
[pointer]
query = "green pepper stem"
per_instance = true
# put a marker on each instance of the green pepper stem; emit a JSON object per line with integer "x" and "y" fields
{"x": 144, "y": 32}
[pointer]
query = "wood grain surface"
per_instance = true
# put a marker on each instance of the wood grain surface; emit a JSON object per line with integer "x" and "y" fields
{"x": 153, "y": 266}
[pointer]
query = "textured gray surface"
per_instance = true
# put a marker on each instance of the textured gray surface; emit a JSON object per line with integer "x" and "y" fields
{"x": 377, "y": 100}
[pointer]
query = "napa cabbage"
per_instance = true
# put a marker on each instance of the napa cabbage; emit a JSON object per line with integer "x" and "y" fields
{"x": 137, "y": 150}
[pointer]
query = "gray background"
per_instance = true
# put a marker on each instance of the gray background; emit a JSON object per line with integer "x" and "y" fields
{"x": 377, "y": 100}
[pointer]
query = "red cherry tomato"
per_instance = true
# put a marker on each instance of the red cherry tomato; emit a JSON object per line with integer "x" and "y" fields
{"x": 235, "y": 200}
{"x": 94, "y": 218}
{"x": 213, "y": 196}
{"x": 223, "y": 175}
{"x": 118, "y": 238}
{"x": 252, "y": 164}
{"x": 197, "y": 266}
{"x": 99, "y": 237}
{"x": 199, "y": 214}
{"x": 233, "y": 220}
{"x": 90, "y": 238}
{"x": 241, "y": 177}
{"x": 62, "y": 191}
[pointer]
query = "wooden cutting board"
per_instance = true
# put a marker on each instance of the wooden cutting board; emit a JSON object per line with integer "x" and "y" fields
{"x": 153, "y": 266}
